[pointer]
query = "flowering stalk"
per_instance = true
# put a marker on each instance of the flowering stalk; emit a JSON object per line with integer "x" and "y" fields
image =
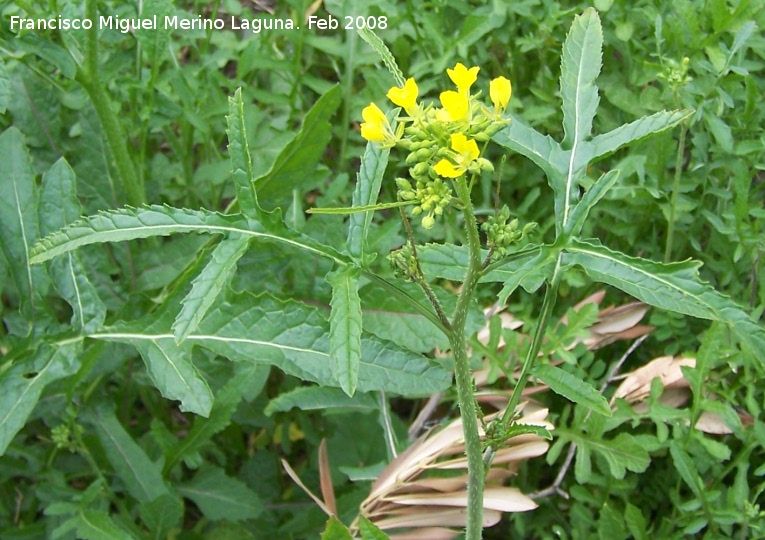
{"x": 443, "y": 153}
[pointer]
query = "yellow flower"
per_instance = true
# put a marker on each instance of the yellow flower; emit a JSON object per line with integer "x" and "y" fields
{"x": 463, "y": 77}
{"x": 456, "y": 106}
{"x": 405, "y": 97}
{"x": 500, "y": 91}
{"x": 376, "y": 127}
{"x": 467, "y": 152}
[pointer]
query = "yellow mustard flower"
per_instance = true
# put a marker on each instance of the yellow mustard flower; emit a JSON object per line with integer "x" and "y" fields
{"x": 500, "y": 91}
{"x": 376, "y": 127}
{"x": 467, "y": 152}
{"x": 405, "y": 97}
{"x": 456, "y": 106}
{"x": 463, "y": 77}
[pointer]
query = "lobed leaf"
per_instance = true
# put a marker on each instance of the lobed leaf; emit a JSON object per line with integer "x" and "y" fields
{"x": 132, "y": 223}
{"x": 674, "y": 287}
{"x": 345, "y": 327}
{"x": 208, "y": 284}
{"x": 607, "y": 143}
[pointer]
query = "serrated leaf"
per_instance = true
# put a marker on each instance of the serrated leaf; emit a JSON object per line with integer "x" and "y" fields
{"x": 132, "y": 223}
{"x": 97, "y": 525}
{"x": 636, "y": 522}
{"x": 570, "y": 387}
{"x": 58, "y": 206}
{"x": 23, "y": 382}
{"x": 311, "y": 398}
{"x": 370, "y": 531}
{"x": 141, "y": 476}
{"x": 674, "y": 286}
{"x": 596, "y": 192}
{"x": 335, "y": 530}
{"x": 607, "y": 143}
{"x": 173, "y": 373}
{"x": 18, "y": 219}
{"x": 208, "y": 284}
{"x": 368, "y": 182}
{"x": 298, "y": 159}
{"x": 623, "y": 453}
{"x": 241, "y": 161}
{"x": 295, "y": 338}
{"x": 5, "y": 87}
{"x": 345, "y": 327}
{"x": 221, "y": 497}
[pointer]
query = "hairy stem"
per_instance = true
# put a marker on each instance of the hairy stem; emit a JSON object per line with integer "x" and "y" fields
{"x": 90, "y": 79}
{"x": 462, "y": 373}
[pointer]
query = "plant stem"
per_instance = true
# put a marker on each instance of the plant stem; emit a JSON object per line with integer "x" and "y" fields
{"x": 551, "y": 295}
{"x": 675, "y": 191}
{"x": 462, "y": 373}
{"x": 90, "y": 79}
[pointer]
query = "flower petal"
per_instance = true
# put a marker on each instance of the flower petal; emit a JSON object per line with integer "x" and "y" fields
{"x": 463, "y": 77}
{"x": 456, "y": 105}
{"x": 446, "y": 169}
{"x": 405, "y": 97}
{"x": 373, "y": 114}
{"x": 500, "y": 91}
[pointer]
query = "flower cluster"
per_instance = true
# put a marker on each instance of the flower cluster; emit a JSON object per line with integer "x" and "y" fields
{"x": 442, "y": 141}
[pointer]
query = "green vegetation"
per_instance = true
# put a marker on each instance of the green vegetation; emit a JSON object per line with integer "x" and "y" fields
{"x": 227, "y": 315}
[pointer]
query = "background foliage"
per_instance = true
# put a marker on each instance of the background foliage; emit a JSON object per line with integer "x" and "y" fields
{"x": 104, "y": 451}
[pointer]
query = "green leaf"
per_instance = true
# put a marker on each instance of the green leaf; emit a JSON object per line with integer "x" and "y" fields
{"x": 97, "y": 525}
{"x": 141, "y": 476}
{"x": 636, "y": 522}
{"x": 299, "y": 158}
{"x": 335, "y": 530}
{"x": 295, "y": 338}
{"x": 22, "y": 383}
{"x": 370, "y": 531}
{"x": 607, "y": 143}
{"x": 352, "y": 210}
{"x": 248, "y": 380}
{"x": 589, "y": 200}
{"x": 345, "y": 327}
{"x": 132, "y": 223}
{"x": 580, "y": 66}
{"x": 18, "y": 219}
{"x": 58, "y": 206}
{"x": 387, "y": 317}
{"x": 241, "y": 161}
{"x": 674, "y": 286}
{"x": 162, "y": 515}
{"x": 49, "y": 51}
{"x": 570, "y": 387}
{"x": 531, "y": 273}
{"x": 685, "y": 468}
{"x": 622, "y": 453}
{"x": 368, "y": 182}
{"x": 543, "y": 150}
{"x": 173, "y": 373}
{"x": 208, "y": 284}
{"x": 154, "y": 40}
{"x": 5, "y": 88}
{"x": 449, "y": 261}
{"x": 312, "y": 398}
{"x": 382, "y": 50}
{"x": 220, "y": 497}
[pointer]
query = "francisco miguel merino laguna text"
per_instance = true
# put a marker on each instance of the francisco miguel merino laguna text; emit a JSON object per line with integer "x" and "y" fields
{"x": 125, "y": 25}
